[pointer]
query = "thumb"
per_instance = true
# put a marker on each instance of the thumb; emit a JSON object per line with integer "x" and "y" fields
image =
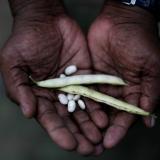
{"x": 18, "y": 89}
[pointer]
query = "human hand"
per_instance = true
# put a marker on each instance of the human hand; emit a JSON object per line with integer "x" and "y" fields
{"x": 124, "y": 41}
{"x": 42, "y": 46}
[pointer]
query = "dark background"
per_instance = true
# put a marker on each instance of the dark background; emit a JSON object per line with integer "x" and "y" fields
{"x": 22, "y": 139}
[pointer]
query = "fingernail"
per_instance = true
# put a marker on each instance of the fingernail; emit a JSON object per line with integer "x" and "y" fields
{"x": 23, "y": 110}
{"x": 152, "y": 121}
{"x": 99, "y": 149}
{"x": 26, "y": 112}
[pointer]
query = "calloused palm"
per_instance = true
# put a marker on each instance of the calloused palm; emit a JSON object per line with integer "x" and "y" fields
{"x": 43, "y": 50}
{"x": 124, "y": 41}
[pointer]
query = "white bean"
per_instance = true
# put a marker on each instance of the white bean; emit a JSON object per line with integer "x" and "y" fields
{"x": 76, "y": 97}
{"x": 71, "y": 106}
{"x": 62, "y": 75}
{"x": 81, "y": 104}
{"x": 63, "y": 99}
{"x": 70, "y": 70}
{"x": 70, "y": 96}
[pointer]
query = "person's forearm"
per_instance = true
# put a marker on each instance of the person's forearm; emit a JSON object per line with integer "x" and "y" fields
{"x": 35, "y": 8}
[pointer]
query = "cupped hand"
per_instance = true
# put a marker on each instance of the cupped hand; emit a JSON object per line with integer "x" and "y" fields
{"x": 124, "y": 41}
{"x": 42, "y": 49}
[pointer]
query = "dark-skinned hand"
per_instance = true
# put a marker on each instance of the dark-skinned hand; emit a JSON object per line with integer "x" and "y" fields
{"x": 43, "y": 48}
{"x": 124, "y": 41}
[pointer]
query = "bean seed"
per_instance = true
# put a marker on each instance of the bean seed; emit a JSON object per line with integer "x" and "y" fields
{"x": 71, "y": 106}
{"x": 62, "y": 75}
{"x": 76, "y": 97}
{"x": 70, "y": 70}
{"x": 70, "y": 96}
{"x": 81, "y": 104}
{"x": 63, "y": 99}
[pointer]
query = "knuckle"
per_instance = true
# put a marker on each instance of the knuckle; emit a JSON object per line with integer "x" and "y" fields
{"x": 45, "y": 115}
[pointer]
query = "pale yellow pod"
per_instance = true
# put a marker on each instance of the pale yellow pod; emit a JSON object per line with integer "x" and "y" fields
{"x": 100, "y": 97}
{"x": 81, "y": 79}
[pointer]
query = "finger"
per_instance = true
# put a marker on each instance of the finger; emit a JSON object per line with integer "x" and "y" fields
{"x": 98, "y": 116}
{"x": 122, "y": 120}
{"x": 118, "y": 129}
{"x": 54, "y": 125}
{"x": 84, "y": 146}
{"x": 87, "y": 126}
{"x": 150, "y": 98}
{"x": 98, "y": 150}
{"x": 19, "y": 90}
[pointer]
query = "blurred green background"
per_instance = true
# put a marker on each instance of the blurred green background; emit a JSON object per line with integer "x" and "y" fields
{"x": 22, "y": 139}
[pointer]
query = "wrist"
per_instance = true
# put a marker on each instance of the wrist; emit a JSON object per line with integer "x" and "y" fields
{"x": 35, "y": 9}
{"x": 114, "y": 9}
{"x": 139, "y": 9}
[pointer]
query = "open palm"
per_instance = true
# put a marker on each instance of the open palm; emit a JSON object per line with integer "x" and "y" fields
{"x": 125, "y": 43}
{"x": 43, "y": 50}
